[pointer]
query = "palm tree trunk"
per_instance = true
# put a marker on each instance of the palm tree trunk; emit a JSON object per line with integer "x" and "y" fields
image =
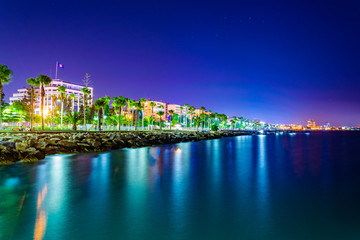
{"x": 42, "y": 107}
{"x": 136, "y": 116}
{"x": 98, "y": 123}
{"x": 31, "y": 107}
{"x": 103, "y": 118}
{"x": 62, "y": 111}
{"x": 53, "y": 110}
{"x": 119, "y": 126}
{"x": 142, "y": 118}
{"x": 152, "y": 120}
{"x": 1, "y": 90}
{"x": 84, "y": 104}
{"x": 160, "y": 123}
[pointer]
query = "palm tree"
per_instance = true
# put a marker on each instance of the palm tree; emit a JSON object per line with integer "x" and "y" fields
{"x": 41, "y": 81}
{"x": 119, "y": 102}
{"x": 202, "y": 109}
{"x": 53, "y": 101}
{"x": 74, "y": 118}
{"x": 191, "y": 112}
{"x": 130, "y": 107}
{"x": 107, "y": 100}
{"x": 171, "y": 112}
{"x": 138, "y": 107}
{"x": 62, "y": 90}
{"x": 186, "y": 112}
{"x": 86, "y": 92}
{"x": 197, "y": 121}
{"x": 181, "y": 111}
{"x": 32, "y": 83}
{"x": 241, "y": 120}
{"x": 209, "y": 119}
{"x": 99, "y": 103}
{"x": 160, "y": 114}
{"x": 73, "y": 96}
{"x": 152, "y": 105}
{"x": 142, "y": 101}
{"x": 5, "y": 77}
{"x": 233, "y": 121}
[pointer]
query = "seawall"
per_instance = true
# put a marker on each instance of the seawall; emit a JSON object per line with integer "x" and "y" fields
{"x": 34, "y": 146}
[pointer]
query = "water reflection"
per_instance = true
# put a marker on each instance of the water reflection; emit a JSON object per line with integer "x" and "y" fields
{"x": 247, "y": 187}
{"x": 262, "y": 180}
{"x": 41, "y": 215}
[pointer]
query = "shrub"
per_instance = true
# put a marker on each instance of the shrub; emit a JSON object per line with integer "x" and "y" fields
{"x": 214, "y": 128}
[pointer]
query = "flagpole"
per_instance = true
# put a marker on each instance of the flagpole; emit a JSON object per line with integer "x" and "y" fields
{"x": 57, "y": 63}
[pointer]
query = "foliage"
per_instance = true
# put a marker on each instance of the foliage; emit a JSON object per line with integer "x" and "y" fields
{"x": 215, "y": 128}
{"x": 74, "y": 119}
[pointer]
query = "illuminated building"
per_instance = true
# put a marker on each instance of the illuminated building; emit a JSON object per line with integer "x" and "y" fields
{"x": 311, "y": 124}
{"x": 148, "y": 109}
{"x": 51, "y": 90}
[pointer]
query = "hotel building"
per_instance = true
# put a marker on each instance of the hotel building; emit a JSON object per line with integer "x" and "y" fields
{"x": 51, "y": 90}
{"x": 147, "y": 109}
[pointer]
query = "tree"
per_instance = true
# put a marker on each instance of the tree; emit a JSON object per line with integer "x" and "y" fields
{"x": 41, "y": 81}
{"x": 142, "y": 101}
{"x": 5, "y": 77}
{"x": 138, "y": 107}
{"x": 175, "y": 119}
{"x": 129, "y": 108}
{"x": 160, "y": 114}
{"x": 197, "y": 121}
{"x": 181, "y": 111}
{"x": 106, "y": 102}
{"x": 16, "y": 112}
{"x": 86, "y": 92}
{"x": 73, "y": 97}
{"x": 62, "y": 90}
{"x": 152, "y": 105}
{"x": 191, "y": 112}
{"x": 32, "y": 83}
{"x": 87, "y": 80}
{"x": 74, "y": 118}
{"x": 186, "y": 113}
{"x": 119, "y": 102}
{"x": 99, "y": 103}
{"x": 202, "y": 109}
{"x": 171, "y": 112}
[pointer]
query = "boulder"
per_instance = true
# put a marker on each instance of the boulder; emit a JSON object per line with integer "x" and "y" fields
{"x": 7, "y": 144}
{"x": 67, "y": 143}
{"x": 40, "y": 145}
{"x": 21, "y": 146}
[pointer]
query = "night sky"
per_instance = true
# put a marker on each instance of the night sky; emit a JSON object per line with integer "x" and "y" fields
{"x": 279, "y": 62}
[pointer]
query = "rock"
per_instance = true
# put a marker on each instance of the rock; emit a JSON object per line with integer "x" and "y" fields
{"x": 96, "y": 144}
{"x": 21, "y": 146}
{"x": 83, "y": 144}
{"x": 40, "y": 145}
{"x": 7, "y": 144}
{"x": 67, "y": 143}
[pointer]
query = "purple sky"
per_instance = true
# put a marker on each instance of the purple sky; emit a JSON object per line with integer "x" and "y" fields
{"x": 278, "y": 62}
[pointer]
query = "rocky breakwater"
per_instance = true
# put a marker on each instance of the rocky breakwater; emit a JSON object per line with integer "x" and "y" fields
{"x": 30, "y": 147}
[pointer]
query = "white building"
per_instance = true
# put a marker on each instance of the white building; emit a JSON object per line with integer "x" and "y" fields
{"x": 176, "y": 109}
{"x": 51, "y": 90}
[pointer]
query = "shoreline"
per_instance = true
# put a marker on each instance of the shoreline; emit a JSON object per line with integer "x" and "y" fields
{"x": 35, "y": 146}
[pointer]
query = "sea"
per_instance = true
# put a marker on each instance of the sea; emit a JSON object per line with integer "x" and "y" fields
{"x": 261, "y": 187}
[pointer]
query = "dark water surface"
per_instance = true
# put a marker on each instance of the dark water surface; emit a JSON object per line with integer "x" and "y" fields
{"x": 248, "y": 187}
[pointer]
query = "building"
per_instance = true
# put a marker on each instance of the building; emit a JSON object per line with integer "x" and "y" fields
{"x": 51, "y": 90}
{"x": 176, "y": 109}
{"x": 311, "y": 124}
{"x": 148, "y": 111}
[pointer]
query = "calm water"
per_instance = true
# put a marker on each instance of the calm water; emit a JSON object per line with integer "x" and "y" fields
{"x": 249, "y": 187}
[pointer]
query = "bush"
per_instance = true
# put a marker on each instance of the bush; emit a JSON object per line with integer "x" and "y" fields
{"x": 215, "y": 128}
